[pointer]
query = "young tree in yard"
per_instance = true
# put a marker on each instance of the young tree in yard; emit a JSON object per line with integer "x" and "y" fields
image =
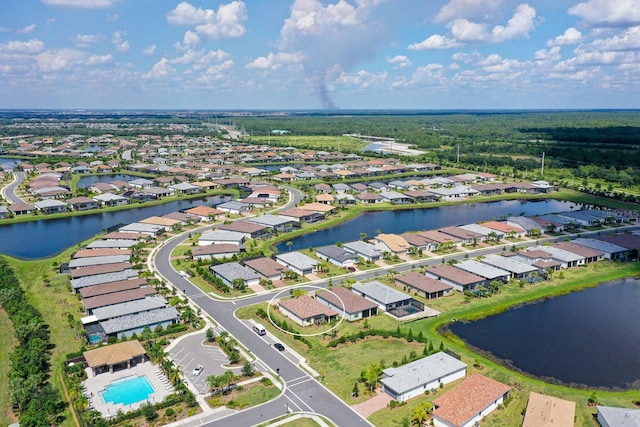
{"x": 210, "y": 335}
{"x": 372, "y": 375}
{"x": 239, "y": 284}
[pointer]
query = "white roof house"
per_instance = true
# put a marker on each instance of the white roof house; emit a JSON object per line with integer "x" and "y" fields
{"x": 517, "y": 269}
{"x": 413, "y": 379}
{"x": 487, "y": 271}
{"x": 298, "y": 262}
{"x": 221, "y": 236}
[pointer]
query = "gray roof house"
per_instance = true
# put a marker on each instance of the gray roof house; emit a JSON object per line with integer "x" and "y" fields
{"x": 565, "y": 258}
{"x": 487, "y": 271}
{"x": 610, "y": 250}
{"x": 275, "y": 222}
{"x": 233, "y": 207}
{"x": 337, "y": 256}
{"x": 99, "y": 279}
{"x": 388, "y": 299}
{"x": 221, "y": 236}
{"x": 456, "y": 277}
{"x": 297, "y": 262}
{"x": 364, "y": 250}
{"x": 231, "y": 271}
{"x": 143, "y": 228}
{"x": 102, "y": 260}
{"x": 185, "y": 188}
{"x": 126, "y": 326}
{"x": 51, "y": 206}
{"x": 517, "y": 269}
{"x": 618, "y": 417}
{"x": 112, "y": 244}
{"x": 413, "y": 379}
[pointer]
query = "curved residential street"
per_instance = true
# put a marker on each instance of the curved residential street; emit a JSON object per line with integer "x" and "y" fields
{"x": 8, "y": 192}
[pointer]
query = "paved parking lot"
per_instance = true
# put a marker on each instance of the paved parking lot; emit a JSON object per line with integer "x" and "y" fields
{"x": 190, "y": 352}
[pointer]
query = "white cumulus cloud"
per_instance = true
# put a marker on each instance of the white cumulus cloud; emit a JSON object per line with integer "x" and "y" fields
{"x": 399, "y": 61}
{"x": 606, "y": 13}
{"x": 17, "y": 46}
{"x": 226, "y": 22}
{"x": 118, "y": 40}
{"x": 570, "y": 36}
{"x": 476, "y": 10}
{"x": 160, "y": 70}
{"x": 435, "y": 41}
{"x": 85, "y": 40}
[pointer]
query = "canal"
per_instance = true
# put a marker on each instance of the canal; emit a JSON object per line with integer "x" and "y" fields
{"x": 586, "y": 338}
{"x": 400, "y": 221}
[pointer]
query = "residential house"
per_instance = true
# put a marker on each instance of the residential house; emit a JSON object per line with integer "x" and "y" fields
{"x": 152, "y": 230}
{"x": 469, "y": 402}
{"x": 114, "y": 298}
{"x": 302, "y": 215}
{"x": 337, "y": 256}
{"x": 388, "y": 299}
{"x": 250, "y": 230}
{"x": 221, "y": 236}
{"x": 234, "y": 207}
{"x": 486, "y": 233}
{"x": 545, "y": 411}
{"x": 342, "y": 300}
{"x": 266, "y": 267}
{"x": 110, "y": 199}
{"x": 391, "y": 243}
{"x": 51, "y": 206}
{"x": 22, "y": 209}
{"x": 429, "y": 287}
{"x": 481, "y": 269}
{"x": 205, "y": 213}
{"x": 364, "y": 250}
{"x": 467, "y": 237}
{"x": 503, "y": 228}
{"x": 421, "y": 196}
{"x": 82, "y": 203}
{"x": 395, "y": 198}
{"x": 423, "y": 375}
{"x": 590, "y": 255}
{"x": 565, "y": 258}
{"x": 297, "y": 262}
{"x": 306, "y": 311}
{"x": 438, "y": 240}
{"x": 232, "y": 271}
{"x": 453, "y": 193}
{"x": 217, "y": 251}
{"x": 517, "y": 269}
{"x": 610, "y": 250}
{"x": 461, "y": 280}
{"x": 185, "y": 188}
{"x": 536, "y": 257}
{"x": 274, "y": 222}
{"x": 369, "y": 198}
{"x": 609, "y": 416}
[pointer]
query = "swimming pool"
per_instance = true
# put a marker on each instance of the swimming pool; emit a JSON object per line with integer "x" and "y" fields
{"x": 128, "y": 390}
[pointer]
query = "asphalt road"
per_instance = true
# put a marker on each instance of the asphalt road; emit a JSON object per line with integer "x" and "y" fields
{"x": 9, "y": 191}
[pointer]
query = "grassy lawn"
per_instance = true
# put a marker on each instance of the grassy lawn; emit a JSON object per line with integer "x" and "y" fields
{"x": 246, "y": 395}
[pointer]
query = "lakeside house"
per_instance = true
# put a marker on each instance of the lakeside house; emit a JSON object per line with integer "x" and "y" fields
{"x": 423, "y": 375}
{"x": 337, "y": 256}
{"x": 609, "y": 416}
{"x": 461, "y": 280}
{"x": 388, "y": 299}
{"x": 469, "y": 402}
{"x": 298, "y": 262}
{"x": 544, "y": 411}
{"x": 426, "y": 286}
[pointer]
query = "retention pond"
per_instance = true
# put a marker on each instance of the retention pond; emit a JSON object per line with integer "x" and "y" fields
{"x": 588, "y": 338}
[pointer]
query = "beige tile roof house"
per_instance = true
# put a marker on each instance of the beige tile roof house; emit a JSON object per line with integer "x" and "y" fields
{"x": 305, "y": 310}
{"x": 469, "y": 402}
{"x": 549, "y": 411}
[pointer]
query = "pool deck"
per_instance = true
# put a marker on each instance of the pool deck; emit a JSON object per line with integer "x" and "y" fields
{"x": 95, "y": 384}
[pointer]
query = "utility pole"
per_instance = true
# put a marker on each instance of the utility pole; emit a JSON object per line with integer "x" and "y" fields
{"x": 542, "y": 169}
{"x": 458, "y": 155}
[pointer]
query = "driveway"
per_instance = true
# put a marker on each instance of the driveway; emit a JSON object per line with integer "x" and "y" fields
{"x": 190, "y": 352}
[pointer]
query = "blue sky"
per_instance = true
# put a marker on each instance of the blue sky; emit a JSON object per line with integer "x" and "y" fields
{"x": 310, "y": 54}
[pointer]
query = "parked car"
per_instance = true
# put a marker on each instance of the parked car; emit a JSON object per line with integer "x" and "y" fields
{"x": 278, "y": 346}
{"x": 197, "y": 370}
{"x": 351, "y": 269}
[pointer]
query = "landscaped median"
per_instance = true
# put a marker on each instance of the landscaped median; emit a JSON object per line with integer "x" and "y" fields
{"x": 360, "y": 352}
